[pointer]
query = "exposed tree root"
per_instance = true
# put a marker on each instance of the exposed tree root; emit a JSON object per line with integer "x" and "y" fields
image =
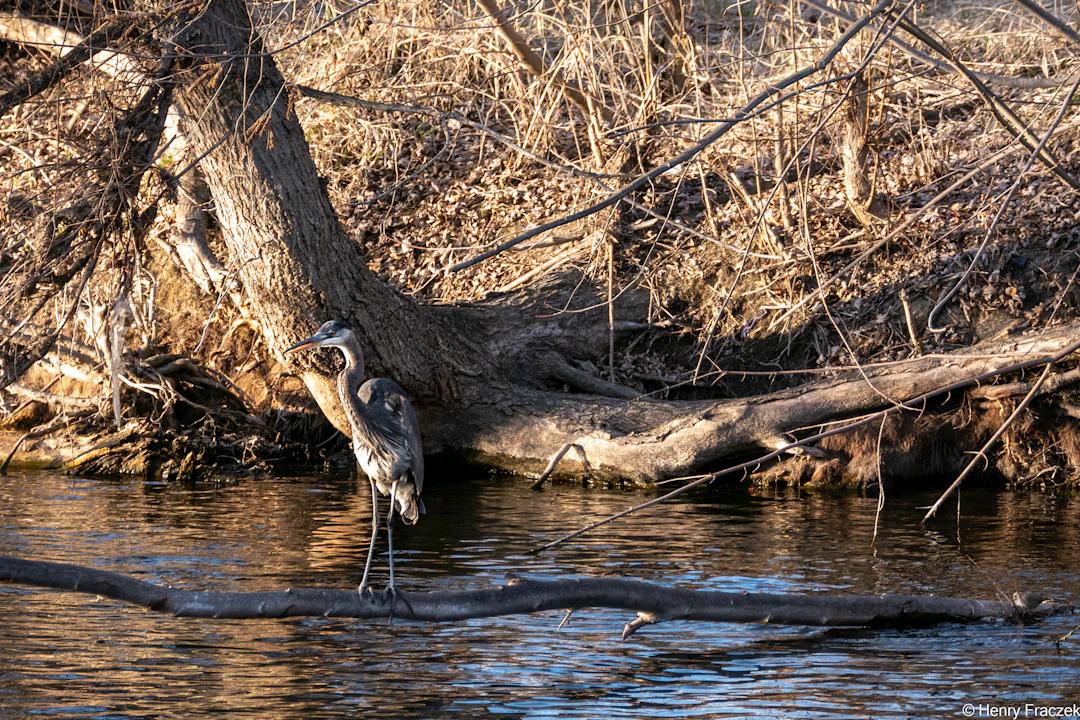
{"x": 653, "y": 603}
{"x": 648, "y": 441}
{"x": 645, "y": 442}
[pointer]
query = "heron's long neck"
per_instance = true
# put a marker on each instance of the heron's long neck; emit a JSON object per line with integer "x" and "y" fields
{"x": 349, "y": 381}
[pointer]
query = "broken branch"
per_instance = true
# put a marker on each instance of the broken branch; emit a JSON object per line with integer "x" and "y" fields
{"x": 918, "y": 401}
{"x": 653, "y": 602}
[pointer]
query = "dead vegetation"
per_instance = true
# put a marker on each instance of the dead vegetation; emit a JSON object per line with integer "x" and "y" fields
{"x": 1041, "y": 450}
{"x": 735, "y": 273}
{"x": 823, "y": 233}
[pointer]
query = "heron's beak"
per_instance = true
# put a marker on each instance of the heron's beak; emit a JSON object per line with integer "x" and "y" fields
{"x": 304, "y": 344}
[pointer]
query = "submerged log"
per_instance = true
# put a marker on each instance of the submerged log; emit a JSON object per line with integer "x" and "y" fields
{"x": 652, "y": 602}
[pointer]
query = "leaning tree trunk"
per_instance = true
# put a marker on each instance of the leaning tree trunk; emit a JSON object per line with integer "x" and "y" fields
{"x": 479, "y": 374}
{"x": 297, "y": 266}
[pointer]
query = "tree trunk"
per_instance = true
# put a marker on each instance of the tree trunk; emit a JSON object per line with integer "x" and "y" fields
{"x": 297, "y": 266}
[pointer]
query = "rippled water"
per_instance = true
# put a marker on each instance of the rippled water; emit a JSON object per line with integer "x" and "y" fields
{"x": 69, "y": 655}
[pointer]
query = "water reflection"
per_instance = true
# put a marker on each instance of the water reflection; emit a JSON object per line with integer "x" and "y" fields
{"x": 73, "y": 656}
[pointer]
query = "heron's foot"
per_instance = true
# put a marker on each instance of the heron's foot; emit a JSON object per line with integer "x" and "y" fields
{"x": 364, "y": 589}
{"x": 391, "y": 595}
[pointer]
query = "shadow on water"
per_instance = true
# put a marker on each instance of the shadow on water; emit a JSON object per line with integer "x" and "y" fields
{"x": 66, "y": 655}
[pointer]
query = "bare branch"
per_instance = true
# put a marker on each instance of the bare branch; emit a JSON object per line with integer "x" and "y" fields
{"x": 1004, "y": 114}
{"x": 564, "y": 372}
{"x": 981, "y": 455}
{"x": 652, "y": 602}
{"x": 749, "y": 466}
{"x": 944, "y": 301}
{"x": 42, "y": 81}
{"x": 1026, "y": 83}
{"x": 61, "y": 42}
{"x": 374, "y": 106}
{"x": 589, "y": 106}
{"x": 814, "y": 296}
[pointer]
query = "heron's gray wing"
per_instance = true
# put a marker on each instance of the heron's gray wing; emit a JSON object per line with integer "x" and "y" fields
{"x": 393, "y": 419}
{"x": 412, "y": 427}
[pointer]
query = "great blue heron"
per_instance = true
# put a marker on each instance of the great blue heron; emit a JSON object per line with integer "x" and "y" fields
{"x": 385, "y": 435}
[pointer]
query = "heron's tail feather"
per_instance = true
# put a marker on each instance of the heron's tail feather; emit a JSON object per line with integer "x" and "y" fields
{"x": 410, "y": 506}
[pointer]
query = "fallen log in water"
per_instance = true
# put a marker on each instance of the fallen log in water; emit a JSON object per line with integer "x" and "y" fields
{"x": 653, "y": 603}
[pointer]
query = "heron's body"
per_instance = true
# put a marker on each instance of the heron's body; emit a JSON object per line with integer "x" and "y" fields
{"x": 386, "y": 441}
{"x": 385, "y": 435}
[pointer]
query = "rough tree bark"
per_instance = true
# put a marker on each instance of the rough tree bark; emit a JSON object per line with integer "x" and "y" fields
{"x": 480, "y": 375}
{"x": 653, "y": 603}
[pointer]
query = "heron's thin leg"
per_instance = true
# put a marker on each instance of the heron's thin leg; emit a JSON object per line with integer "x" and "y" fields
{"x": 390, "y": 532}
{"x": 374, "y": 530}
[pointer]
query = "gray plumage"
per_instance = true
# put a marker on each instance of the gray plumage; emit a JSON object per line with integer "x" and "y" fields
{"x": 385, "y": 435}
{"x": 387, "y": 444}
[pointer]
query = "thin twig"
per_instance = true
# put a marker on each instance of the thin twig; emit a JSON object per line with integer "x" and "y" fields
{"x": 352, "y": 101}
{"x": 940, "y": 304}
{"x": 981, "y": 455}
{"x": 1027, "y": 83}
{"x": 58, "y": 70}
{"x": 1005, "y": 115}
{"x": 1050, "y": 19}
{"x": 910, "y": 220}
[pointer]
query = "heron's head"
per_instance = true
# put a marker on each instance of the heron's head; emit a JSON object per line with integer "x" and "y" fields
{"x": 333, "y": 333}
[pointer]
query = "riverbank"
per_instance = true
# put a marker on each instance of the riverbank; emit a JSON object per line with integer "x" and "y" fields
{"x": 884, "y": 217}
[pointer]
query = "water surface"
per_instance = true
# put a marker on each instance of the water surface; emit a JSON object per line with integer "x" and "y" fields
{"x": 70, "y": 655}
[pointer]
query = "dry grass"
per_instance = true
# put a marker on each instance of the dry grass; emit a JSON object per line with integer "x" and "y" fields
{"x": 422, "y": 197}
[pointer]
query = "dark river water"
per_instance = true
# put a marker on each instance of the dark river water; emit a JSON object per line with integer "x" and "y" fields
{"x": 70, "y": 655}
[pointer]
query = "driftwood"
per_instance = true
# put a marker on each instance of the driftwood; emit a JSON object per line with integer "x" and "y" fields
{"x": 653, "y": 603}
